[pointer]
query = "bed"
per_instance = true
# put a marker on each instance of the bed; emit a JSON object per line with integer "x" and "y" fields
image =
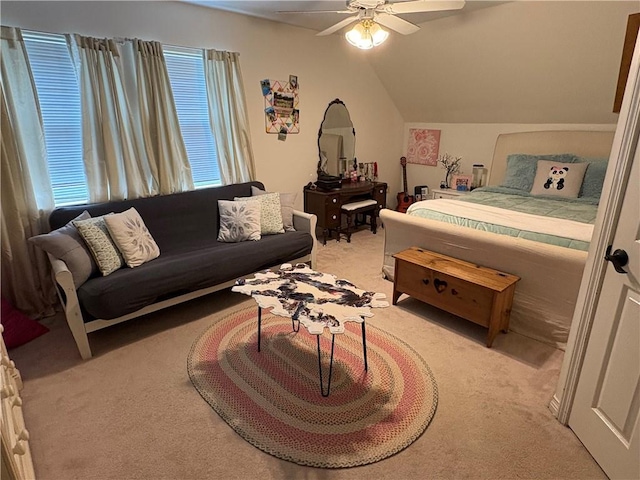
{"x": 542, "y": 239}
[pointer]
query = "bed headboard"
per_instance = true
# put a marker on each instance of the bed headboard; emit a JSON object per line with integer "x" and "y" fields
{"x": 590, "y": 144}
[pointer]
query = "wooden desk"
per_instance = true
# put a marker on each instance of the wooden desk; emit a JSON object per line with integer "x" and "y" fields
{"x": 326, "y": 204}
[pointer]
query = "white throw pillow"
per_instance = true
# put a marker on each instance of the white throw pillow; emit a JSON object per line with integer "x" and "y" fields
{"x": 239, "y": 221}
{"x": 270, "y": 212}
{"x": 287, "y": 201}
{"x": 132, "y": 237}
{"x": 558, "y": 179}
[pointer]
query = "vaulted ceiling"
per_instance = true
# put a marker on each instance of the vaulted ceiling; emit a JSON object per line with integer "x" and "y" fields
{"x": 490, "y": 62}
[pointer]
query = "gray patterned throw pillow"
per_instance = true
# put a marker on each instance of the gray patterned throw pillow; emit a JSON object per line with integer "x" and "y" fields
{"x": 132, "y": 237}
{"x": 239, "y": 221}
{"x": 96, "y": 235}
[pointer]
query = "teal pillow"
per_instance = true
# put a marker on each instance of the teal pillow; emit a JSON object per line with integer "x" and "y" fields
{"x": 521, "y": 168}
{"x": 593, "y": 177}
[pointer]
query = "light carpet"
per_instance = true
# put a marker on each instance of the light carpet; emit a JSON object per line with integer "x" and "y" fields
{"x": 272, "y": 398}
{"x": 131, "y": 412}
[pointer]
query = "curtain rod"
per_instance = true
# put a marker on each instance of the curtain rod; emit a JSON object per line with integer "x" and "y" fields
{"x": 119, "y": 40}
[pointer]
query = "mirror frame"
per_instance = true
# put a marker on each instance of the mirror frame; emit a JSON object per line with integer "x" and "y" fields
{"x": 324, "y": 117}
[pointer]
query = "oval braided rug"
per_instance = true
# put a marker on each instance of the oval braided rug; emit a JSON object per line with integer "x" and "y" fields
{"x": 272, "y": 398}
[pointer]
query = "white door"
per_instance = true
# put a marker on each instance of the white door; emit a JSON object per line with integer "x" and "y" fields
{"x": 606, "y": 406}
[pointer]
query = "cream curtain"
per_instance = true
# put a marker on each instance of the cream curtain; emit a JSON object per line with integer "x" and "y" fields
{"x": 115, "y": 159}
{"x": 228, "y": 114}
{"x": 151, "y": 101}
{"x": 26, "y": 196}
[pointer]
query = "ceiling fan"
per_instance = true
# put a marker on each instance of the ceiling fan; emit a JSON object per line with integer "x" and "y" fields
{"x": 383, "y": 12}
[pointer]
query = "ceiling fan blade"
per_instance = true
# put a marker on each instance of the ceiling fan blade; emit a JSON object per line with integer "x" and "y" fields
{"x": 315, "y": 11}
{"x": 416, "y": 6}
{"x": 338, "y": 26}
{"x": 396, "y": 23}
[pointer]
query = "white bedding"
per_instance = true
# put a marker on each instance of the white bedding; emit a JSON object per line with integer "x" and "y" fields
{"x": 508, "y": 218}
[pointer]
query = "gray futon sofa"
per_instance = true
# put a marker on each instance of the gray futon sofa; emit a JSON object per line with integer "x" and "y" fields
{"x": 192, "y": 262}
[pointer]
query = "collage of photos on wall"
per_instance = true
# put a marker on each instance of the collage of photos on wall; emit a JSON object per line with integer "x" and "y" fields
{"x": 282, "y": 115}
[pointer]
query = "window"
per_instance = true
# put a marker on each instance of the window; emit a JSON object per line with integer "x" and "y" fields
{"x": 59, "y": 97}
{"x": 186, "y": 74}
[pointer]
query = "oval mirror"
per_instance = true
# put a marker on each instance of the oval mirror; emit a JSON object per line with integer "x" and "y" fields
{"x": 336, "y": 140}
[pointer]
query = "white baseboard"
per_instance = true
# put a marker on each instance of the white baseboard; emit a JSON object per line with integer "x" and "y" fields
{"x": 554, "y": 406}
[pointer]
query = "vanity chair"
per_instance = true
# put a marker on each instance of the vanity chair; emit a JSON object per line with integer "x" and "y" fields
{"x": 363, "y": 207}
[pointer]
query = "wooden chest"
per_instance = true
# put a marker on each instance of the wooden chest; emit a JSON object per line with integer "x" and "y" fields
{"x": 479, "y": 294}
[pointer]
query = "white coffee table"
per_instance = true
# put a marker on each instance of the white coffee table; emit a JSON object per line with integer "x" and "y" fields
{"x": 313, "y": 299}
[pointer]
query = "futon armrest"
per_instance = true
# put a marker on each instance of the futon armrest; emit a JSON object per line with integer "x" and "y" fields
{"x": 69, "y": 299}
{"x": 306, "y": 222}
{"x": 62, "y": 276}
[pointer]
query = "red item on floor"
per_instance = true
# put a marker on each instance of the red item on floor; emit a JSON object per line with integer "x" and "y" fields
{"x": 18, "y": 328}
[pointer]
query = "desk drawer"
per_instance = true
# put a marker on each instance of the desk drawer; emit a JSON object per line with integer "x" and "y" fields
{"x": 459, "y": 297}
{"x": 380, "y": 195}
{"x": 333, "y": 218}
{"x": 332, "y": 210}
{"x": 332, "y": 201}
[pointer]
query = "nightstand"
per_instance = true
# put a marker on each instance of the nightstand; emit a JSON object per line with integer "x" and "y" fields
{"x": 448, "y": 193}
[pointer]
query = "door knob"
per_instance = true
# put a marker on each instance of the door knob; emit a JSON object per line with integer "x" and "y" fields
{"x": 619, "y": 258}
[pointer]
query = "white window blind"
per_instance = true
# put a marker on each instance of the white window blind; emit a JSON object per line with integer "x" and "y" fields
{"x": 59, "y": 98}
{"x": 186, "y": 74}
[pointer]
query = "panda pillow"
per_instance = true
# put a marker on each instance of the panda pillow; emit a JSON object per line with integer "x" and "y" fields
{"x": 558, "y": 179}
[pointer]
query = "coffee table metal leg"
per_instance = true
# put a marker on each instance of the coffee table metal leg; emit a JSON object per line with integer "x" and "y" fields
{"x": 364, "y": 346}
{"x": 293, "y": 324}
{"x": 295, "y": 317}
{"x": 259, "y": 324}
{"x": 333, "y": 339}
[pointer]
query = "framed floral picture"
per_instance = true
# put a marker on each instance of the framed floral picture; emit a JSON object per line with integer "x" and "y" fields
{"x": 461, "y": 182}
{"x": 423, "y": 146}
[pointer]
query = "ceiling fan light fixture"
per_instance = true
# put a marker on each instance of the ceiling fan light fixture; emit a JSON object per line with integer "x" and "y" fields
{"x": 378, "y": 34}
{"x": 366, "y": 34}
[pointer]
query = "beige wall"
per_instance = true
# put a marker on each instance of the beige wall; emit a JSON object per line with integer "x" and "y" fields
{"x": 474, "y": 143}
{"x": 326, "y": 68}
{"x": 516, "y": 66}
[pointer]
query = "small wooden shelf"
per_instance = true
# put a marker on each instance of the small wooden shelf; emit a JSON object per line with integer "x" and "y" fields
{"x": 479, "y": 294}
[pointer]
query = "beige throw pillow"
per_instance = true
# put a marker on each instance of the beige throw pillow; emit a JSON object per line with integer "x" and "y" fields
{"x": 96, "y": 235}
{"x": 270, "y": 212}
{"x": 558, "y": 179}
{"x": 132, "y": 237}
{"x": 239, "y": 221}
{"x": 287, "y": 201}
